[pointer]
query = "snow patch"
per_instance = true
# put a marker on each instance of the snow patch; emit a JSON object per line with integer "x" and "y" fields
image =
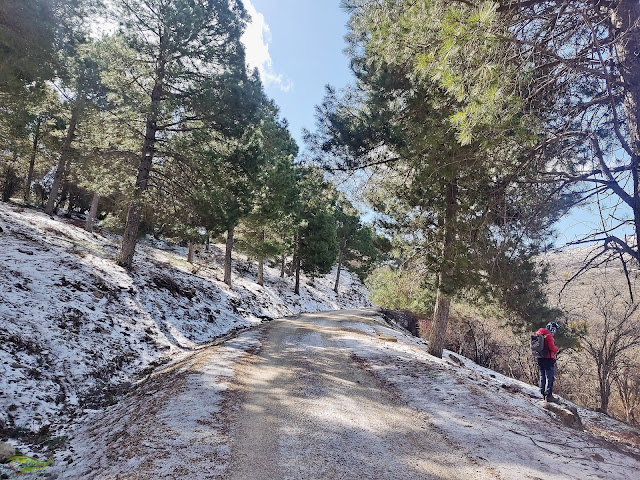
{"x": 79, "y": 332}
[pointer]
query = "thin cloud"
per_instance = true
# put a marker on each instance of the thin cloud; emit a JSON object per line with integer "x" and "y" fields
{"x": 256, "y": 39}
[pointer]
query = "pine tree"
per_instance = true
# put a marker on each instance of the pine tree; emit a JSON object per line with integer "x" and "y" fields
{"x": 569, "y": 68}
{"x": 315, "y": 238}
{"x": 447, "y": 170}
{"x": 275, "y": 190}
{"x": 45, "y": 122}
{"x": 27, "y": 43}
{"x": 35, "y": 36}
{"x": 14, "y": 125}
{"x": 83, "y": 90}
{"x": 357, "y": 248}
{"x": 188, "y": 61}
{"x": 106, "y": 159}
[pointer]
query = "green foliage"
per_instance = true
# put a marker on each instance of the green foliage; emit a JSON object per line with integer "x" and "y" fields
{"x": 400, "y": 290}
{"x": 84, "y": 92}
{"x": 314, "y": 223}
{"x": 357, "y": 242}
{"x": 35, "y": 35}
{"x": 318, "y": 243}
{"x": 27, "y": 42}
{"x": 520, "y": 284}
{"x": 436, "y": 117}
{"x": 190, "y": 52}
{"x": 363, "y": 252}
{"x": 457, "y": 47}
{"x": 162, "y": 119}
{"x": 182, "y": 67}
{"x": 275, "y": 189}
{"x": 28, "y": 123}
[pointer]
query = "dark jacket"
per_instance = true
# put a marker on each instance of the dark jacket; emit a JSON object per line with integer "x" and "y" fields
{"x": 548, "y": 343}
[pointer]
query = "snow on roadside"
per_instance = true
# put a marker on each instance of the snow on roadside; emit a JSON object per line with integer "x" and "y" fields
{"x": 169, "y": 424}
{"x": 77, "y": 331}
{"x": 501, "y": 421}
{"x": 172, "y": 425}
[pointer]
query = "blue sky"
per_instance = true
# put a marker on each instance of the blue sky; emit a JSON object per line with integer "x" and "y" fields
{"x": 298, "y": 47}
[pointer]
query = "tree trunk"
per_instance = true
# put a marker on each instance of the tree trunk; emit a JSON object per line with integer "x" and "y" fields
{"x": 190, "y": 254}
{"x": 9, "y": 182}
{"x": 628, "y": 394}
{"x": 130, "y": 236}
{"x": 343, "y": 248}
{"x": 261, "y": 261}
{"x": 65, "y": 197}
{"x": 443, "y": 300}
{"x": 296, "y": 263}
{"x": 605, "y": 394}
{"x": 604, "y": 386}
{"x": 260, "y": 280}
{"x": 292, "y": 266}
{"x": 32, "y": 161}
{"x": 10, "y": 178}
{"x": 64, "y": 157}
{"x": 283, "y": 265}
{"x": 227, "y": 255}
{"x": 93, "y": 212}
{"x": 440, "y": 320}
{"x": 626, "y": 19}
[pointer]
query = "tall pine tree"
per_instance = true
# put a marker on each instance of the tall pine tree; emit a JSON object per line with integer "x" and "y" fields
{"x": 188, "y": 62}
{"x": 448, "y": 174}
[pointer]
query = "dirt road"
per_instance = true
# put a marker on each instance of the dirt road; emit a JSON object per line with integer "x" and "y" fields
{"x": 336, "y": 395}
{"x": 294, "y": 399}
{"x": 309, "y": 410}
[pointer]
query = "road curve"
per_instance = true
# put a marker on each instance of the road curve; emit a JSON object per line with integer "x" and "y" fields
{"x": 307, "y": 409}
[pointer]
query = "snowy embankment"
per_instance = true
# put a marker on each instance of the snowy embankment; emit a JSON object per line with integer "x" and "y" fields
{"x": 501, "y": 422}
{"x": 78, "y": 331}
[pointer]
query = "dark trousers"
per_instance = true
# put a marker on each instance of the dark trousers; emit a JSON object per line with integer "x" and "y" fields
{"x": 547, "y": 368}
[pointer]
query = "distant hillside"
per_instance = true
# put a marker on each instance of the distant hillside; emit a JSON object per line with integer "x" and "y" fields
{"x": 575, "y": 296}
{"x": 77, "y": 331}
{"x": 609, "y": 357}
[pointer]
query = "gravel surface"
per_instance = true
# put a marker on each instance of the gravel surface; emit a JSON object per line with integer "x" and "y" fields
{"x": 337, "y": 395}
{"x": 309, "y": 410}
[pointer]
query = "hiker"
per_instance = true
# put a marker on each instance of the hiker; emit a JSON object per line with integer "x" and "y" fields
{"x": 547, "y": 363}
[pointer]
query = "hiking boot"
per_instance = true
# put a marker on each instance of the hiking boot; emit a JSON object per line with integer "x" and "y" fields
{"x": 550, "y": 399}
